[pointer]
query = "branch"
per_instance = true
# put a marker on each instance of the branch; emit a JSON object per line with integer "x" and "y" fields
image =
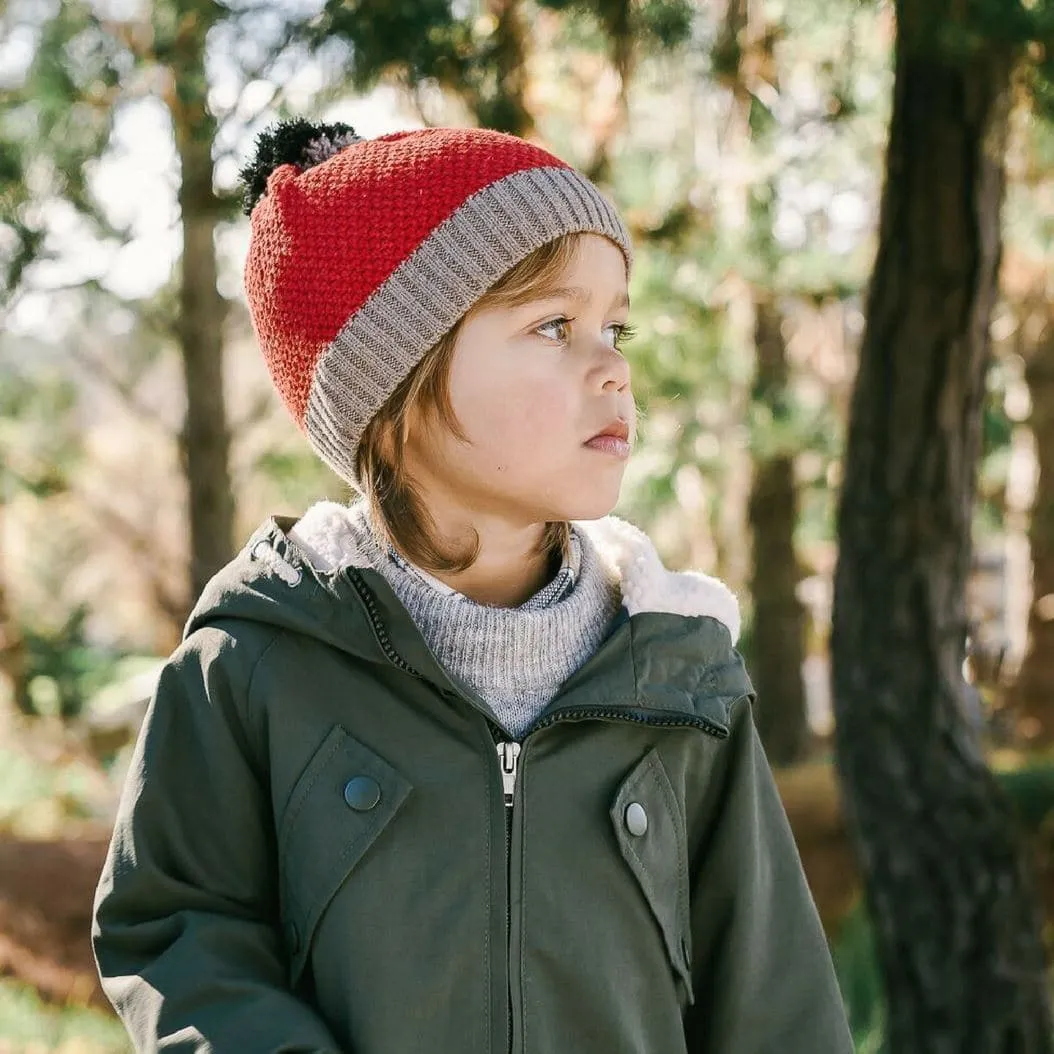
{"x": 23, "y": 288}
{"x": 259, "y": 411}
{"x": 142, "y": 544}
{"x": 97, "y": 369}
{"x": 264, "y": 70}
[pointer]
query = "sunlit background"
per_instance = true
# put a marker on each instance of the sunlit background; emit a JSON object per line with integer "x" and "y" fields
{"x": 744, "y": 142}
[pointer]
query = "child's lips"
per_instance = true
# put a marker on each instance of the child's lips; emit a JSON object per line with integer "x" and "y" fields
{"x": 618, "y": 428}
{"x": 612, "y": 445}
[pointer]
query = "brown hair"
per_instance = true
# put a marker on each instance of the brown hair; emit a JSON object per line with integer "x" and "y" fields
{"x": 396, "y": 508}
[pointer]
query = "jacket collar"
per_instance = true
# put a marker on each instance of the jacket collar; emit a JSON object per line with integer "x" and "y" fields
{"x": 669, "y": 659}
{"x": 326, "y": 539}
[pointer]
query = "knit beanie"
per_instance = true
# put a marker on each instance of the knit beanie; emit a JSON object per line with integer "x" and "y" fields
{"x": 363, "y": 253}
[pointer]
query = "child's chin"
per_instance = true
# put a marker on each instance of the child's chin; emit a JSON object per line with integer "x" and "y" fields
{"x": 591, "y": 506}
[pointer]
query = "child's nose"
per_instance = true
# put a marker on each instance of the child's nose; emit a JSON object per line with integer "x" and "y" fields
{"x": 615, "y": 371}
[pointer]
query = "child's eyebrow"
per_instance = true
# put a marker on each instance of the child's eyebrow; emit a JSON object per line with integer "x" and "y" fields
{"x": 583, "y": 296}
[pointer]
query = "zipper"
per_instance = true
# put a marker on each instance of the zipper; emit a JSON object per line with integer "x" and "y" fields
{"x": 660, "y": 718}
{"x": 378, "y": 625}
{"x": 508, "y": 755}
{"x": 508, "y": 751}
{"x": 652, "y": 718}
{"x": 508, "y": 759}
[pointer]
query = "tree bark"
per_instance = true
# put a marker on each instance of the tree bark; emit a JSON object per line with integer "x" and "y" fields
{"x": 505, "y": 109}
{"x": 778, "y": 629}
{"x": 957, "y": 930}
{"x": 778, "y": 643}
{"x": 205, "y": 441}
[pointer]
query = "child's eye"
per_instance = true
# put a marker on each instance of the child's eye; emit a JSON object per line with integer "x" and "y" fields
{"x": 623, "y": 330}
{"x": 561, "y": 323}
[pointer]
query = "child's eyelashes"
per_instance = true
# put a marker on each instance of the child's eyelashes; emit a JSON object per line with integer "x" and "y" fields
{"x": 624, "y": 331}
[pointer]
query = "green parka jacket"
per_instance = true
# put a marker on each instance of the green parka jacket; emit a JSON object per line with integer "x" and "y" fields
{"x": 327, "y": 843}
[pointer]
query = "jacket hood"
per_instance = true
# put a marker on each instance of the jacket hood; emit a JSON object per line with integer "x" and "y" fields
{"x": 308, "y": 575}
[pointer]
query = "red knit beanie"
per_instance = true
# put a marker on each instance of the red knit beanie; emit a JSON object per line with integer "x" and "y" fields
{"x": 363, "y": 253}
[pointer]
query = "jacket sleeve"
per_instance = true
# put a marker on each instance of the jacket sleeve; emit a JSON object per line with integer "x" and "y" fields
{"x": 185, "y": 922}
{"x": 762, "y": 971}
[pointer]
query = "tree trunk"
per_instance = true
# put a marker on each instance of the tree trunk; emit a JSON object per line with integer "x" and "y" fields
{"x": 205, "y": 440}
{"x": 778, "y": 629}
{"x": 957, "y": 931}
{"x": 778, "y": 643}
{"x": 502, "y": 105}
{"x": 1032, "y": 697}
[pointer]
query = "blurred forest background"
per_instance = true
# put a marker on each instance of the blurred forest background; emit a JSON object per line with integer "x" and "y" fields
{"x": 844, "y": 218}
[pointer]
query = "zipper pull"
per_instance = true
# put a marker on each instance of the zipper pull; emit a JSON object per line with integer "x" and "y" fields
{"x": 508, "y": 755}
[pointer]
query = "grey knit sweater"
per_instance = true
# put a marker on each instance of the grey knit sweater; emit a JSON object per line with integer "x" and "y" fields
{"x": 516, "y": 659}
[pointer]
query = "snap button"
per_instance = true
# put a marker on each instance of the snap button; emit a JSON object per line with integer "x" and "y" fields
{"x": 362, "y": 793}
{"x": 636, "y": 818}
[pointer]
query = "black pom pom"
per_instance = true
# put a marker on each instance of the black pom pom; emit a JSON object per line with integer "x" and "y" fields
{"x": 294, "y": 142}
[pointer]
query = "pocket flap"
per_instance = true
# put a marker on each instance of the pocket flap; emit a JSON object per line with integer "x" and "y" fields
{"x": 342, "y": 801}
{"x": 650, "y": 832}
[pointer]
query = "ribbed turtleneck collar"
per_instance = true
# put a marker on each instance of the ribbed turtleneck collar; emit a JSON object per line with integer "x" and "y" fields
{"x": 555, "y": 589}
{"x": 516, "y": 659}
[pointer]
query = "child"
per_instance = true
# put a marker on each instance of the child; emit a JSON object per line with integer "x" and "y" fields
{"x": 459, "y": 767}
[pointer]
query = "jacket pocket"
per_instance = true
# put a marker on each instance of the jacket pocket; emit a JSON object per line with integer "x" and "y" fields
{"x": 340, "y": 804}
{"x": 650, "y": 831}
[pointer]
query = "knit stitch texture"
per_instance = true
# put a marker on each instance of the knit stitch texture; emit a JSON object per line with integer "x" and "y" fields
{"x": 515, "y": 659}
{"x": 358, "y": 265}
{"x": 559, "y": 586}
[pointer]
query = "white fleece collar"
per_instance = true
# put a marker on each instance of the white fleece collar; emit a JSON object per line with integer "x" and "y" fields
{"x": 325, "y": 537}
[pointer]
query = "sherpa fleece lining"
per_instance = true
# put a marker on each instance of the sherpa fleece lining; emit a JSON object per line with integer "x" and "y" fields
{"x": 325, "y": 538}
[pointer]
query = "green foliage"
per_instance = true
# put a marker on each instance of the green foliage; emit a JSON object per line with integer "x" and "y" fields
{"x": 708, "y": 242}
{"x": 858, "y": 977}
{"x": 662, "y": 23}
{"x": 42, "y": 790}
{"x": 679, "y": 340}
{"x": 966, "y": 30}
{"x": 29, "y": 1025}
{"x": 1042, "y": 74}
{"x": 298, "y": 477}
{"x": 421, "y": 37}
{"x": 1028, "y": 219}
{"x": 997, "y": 429}
{"x": 59, "y": 115}
{"x": 437, "y": 41}
{"x": 668, "y": 22}
{"x": 39, "y": 444}
{"x": 1030, "y": 791}
{"x": 64, "y": 667}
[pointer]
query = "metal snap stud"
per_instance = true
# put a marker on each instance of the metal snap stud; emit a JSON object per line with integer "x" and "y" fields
{"x": 636, "y": 819}
{"x": 362, "y": 793}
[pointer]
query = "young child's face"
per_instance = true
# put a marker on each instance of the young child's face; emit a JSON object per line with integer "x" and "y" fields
{"x": 530, "y": 385}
